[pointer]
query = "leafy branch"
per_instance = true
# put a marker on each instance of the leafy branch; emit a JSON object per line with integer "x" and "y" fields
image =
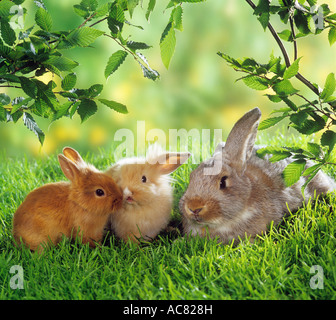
{"x": 306, "y": 115}
{"x": 27, "y": 54}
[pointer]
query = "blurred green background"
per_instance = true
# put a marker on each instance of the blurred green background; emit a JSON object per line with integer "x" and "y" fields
{"x": 198, "y": 91}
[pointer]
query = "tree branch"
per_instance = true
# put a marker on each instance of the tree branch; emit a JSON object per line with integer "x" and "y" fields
{"x": 93, "y": 24}
{"x": 285, "y": 54}
{"x": 89, "y": 18}
{"x": 315, "y": 107}
{"x": 290, "y": 15}
{"x": 293, "y": 36}
{"x": 308, "y": 84}
{"x": 275, "y": 36}
{"x": 9, "y": 86}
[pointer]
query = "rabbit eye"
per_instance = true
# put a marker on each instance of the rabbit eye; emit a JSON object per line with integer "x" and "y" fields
{"x": 143, "y": 179}
{"x": 222, "y": 184}
{"x": 100, "y": 192}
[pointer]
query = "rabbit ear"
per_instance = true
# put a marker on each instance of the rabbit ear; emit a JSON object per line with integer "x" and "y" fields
{"x": 73, "y": 155}
{"x": 170, "y": 161}
{"x": 219, "y": 148}
{"x": 240, "y": 142}
{"x": 69, "y": 168}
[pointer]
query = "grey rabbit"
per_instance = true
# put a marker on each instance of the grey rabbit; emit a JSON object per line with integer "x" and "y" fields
{"x": 236, "y": 194}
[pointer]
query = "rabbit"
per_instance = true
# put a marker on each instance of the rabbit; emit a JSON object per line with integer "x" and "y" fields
{"x": 79, "y": 207}
{"x": 147, "y": 194}
{"x": 235, "y": 194}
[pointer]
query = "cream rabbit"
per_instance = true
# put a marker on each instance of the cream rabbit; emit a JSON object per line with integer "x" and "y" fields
{"x": 236, "y": 194}
{"x": 147, "y": 194}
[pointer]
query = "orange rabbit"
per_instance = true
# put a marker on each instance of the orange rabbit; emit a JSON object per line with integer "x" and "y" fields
{"x": 80, "y": 207}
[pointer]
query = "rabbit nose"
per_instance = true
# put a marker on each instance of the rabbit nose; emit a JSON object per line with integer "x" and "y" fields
{"x": 127, "y": 192}
{"x": 196, "y": 211}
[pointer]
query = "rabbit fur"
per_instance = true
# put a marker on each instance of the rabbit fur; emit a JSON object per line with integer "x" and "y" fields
{"x": 147, "y": 194}
{"x": 67, "y": 208}
{"x": 235, "y": 193}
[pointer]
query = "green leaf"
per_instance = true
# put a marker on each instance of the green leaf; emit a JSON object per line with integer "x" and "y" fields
{"x": 42, "y": 109}
{"x": 299, "y": 117}
{"x": 116, "y": 19}
{"x": 315, "y": 149}
{"x": 275, "y": 66}
{"x": 44, "y": 92}
{"x": 90, "y": 5}
{"x": 3, "y": 113}
{"x": 281, "y": 110}
{"x": 133, "y": 45}
{"x": 69, "y": 81}
{"x": 263, "y": 6}
{"x": 103, "y": 10}
{"x": 332, "y": 17}
{"x": 4, "y": 99}
{"x": 30, "y": 123}
{"x": 293, "y": 172}
{"x": 131, "y": 5}
{"x": 332, "y": 35}
{"x": 284, "y": 87}
{"x": 276, "y": 152}
{"x": 176, "y": 17}
{"x": 263, "y": 11}
{"x": 85, "y": 7}
{"x": 274, "y": 98}
{"x": 114, "y": 105}
{"x": 279, "y": 156}
{"x": 73, "y": 109}
{"x": 292, "y": 70}
{"x": 256, "y": 82}
{"x": 95, "y": 90}
{"x": 271, "y": 150}
{"x": 264, "y": 19}
{"x": 311, "y": 175}
{"x": 43, "y": 19}
{"x": 29, "y": 87}
{"x": 308, "y": 127}
{"x": 286, "y": 35}
{"x": 167, "y": 44}
{"x": 233, "y": 62}
{"x": 81, "y": 11}
{"x": 329, "y": 86}
{"x": 301, "y": 22}
{"x": 270, "y": 122}
{"x": 115, "y": 61}
{"x": 84, "y": 36}
{"x": 248, "y": 62}
{"x": 188, "y": 1}
{"x": 86, "y": 109}
{"x": 70, "y": 95}
{"x": 289, "y": 103}
{"x": 61, "y": 63}
{"x": 150, "y": 8}
{"x": 9, "y": 77}
{"x": 5, "y": 7}
{"x": 7, "y": 33}
{"x": 312, "y": 169}
{"x": 19, "y": 102}
{"x": 62, "y": 111}
{"x": 329, "y": 139}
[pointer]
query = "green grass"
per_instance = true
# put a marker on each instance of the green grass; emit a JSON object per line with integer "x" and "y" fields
{"x": 276, "y": 266}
